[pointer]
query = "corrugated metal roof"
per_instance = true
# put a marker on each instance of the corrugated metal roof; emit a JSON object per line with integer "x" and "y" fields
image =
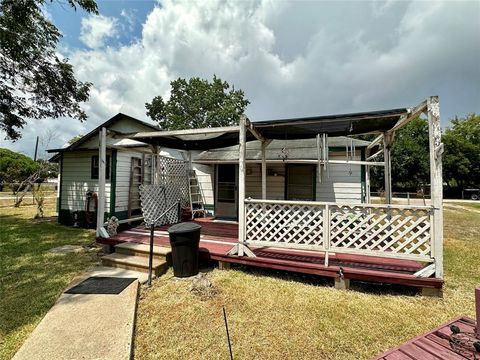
{"x": 305, "y": 149}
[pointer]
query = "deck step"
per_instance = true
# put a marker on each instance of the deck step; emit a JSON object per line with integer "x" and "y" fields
{"x": 136, "y": 249}
{"x": 137, "y": 263}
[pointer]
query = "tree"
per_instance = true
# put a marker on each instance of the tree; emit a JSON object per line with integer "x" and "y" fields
{"x": 15, "y": 167}
{"x": 35, "y": 81}
{"x": 409, "y": 157}
{"x": 197, "y": 103}
{"x": 461, "y": 160}
{"x": 75, "y": 139}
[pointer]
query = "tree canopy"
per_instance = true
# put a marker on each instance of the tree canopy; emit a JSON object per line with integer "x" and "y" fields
{"x": 15, "y": 167}
{"x": 198, "y": 103}
{"x": 35, "y": 82}
{"x": 461, "y": 159}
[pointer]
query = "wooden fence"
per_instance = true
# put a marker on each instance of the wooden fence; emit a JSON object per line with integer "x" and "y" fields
{"x": 399, "y": 231}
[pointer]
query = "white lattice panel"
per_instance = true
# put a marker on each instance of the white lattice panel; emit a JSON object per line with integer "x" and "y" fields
{"x": 154, "y": 202}
{"x": 383, "y": 230}
{"x": 284, "y": 225}
{"x": 173, "y": 174}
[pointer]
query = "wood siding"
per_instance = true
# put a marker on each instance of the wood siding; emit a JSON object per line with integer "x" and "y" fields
{"x": 123, "y": 177}
{"x": 76, "y": 181}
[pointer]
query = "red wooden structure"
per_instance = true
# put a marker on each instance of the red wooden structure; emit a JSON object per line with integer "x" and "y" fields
{"x": 218, "y": 239}
{"x": 442, "y": 343}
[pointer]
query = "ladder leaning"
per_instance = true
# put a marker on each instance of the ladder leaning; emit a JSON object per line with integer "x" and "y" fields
{"x": 195, "y": 195}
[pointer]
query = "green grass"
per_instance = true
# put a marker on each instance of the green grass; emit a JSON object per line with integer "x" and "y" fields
{"x": 278, "y": 316}
{"x": 31, "y": 278}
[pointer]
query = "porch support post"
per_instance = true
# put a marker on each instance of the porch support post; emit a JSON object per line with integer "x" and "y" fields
{"x": 436, "y": 180}
{"x": 153, "y": 169}
{"x": 367, "y": 184}
{"x": 102, "y": 155}
{"x": 241, "y": 184}
{"x": 264, "y": 168}
{"x": 387, "y": 144}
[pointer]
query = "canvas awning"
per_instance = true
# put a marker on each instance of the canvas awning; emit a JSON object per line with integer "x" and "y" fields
{"x": 283, "y": 129}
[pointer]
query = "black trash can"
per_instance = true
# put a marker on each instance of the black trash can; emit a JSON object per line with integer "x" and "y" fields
{"x": 184, "y": 240}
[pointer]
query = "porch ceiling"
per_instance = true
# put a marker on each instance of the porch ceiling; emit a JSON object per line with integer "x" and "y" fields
{"x": 283, "y": 129}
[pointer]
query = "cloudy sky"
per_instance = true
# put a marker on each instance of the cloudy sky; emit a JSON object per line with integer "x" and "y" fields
{"x": 291, "y": 58}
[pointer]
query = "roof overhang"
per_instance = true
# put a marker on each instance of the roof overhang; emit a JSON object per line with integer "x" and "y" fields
{"x": 284, "y": 129}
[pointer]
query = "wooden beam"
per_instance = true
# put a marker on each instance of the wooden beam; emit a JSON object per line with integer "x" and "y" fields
{"x": 255, "y": 132}
{"x": 374, "y": 155}
{"x": 264, "y": 168}
{"x": 102, "y": 158}
{"x": 300, "y": 161}
{"x": 376, "y": 141}
{"x": 477, "y": 308}
{"x": 412, "y": 114}
{"x": 242, "y": 152}
{"x": 206, "y": 131}
{"x": 387, "y": 144}
{"x": 436, "y": 181}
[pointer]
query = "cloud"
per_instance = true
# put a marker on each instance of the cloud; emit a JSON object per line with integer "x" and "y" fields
{"x": 291, "y": 58}
{"x": 96, "y": 29}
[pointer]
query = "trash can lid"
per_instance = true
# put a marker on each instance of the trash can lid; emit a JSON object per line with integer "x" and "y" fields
{"x": 184, "y": 227}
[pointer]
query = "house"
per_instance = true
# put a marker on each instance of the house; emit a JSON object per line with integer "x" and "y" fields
{"x": 293, "y": 185}
{"x": 290, "y": 176}
{"x": 127, "y": 162}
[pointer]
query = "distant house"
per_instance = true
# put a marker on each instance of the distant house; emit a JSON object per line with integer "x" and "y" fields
{"x": 129, "y": 163}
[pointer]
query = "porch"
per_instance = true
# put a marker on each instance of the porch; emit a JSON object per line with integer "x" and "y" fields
{"x": 218, "y": 238}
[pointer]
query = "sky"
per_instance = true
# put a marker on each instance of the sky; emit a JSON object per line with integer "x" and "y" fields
{"x": 291, "y": 58}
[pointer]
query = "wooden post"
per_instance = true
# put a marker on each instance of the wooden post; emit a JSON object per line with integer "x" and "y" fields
{"x": 264, "y": 170}
{"x": 367, "y": 184}
{"x": 102, "y": 156}
{"x": 436, "y": 180}
{"x": 387, "y": 143}
{"x": 241, "y": 184}
{"x": 477, "y": 307}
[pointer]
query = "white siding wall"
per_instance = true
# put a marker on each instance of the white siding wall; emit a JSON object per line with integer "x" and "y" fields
{"x": 76, "y": 181}
{"x": 341, "y": 186}
{"x": 123, "y": 177}
{"x": 275, "y": 184}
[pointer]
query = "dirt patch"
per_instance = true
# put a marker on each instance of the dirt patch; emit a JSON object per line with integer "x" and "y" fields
{"x": 203, "y": 288}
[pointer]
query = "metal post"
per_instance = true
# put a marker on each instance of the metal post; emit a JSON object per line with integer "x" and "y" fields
{"x": 150, "y": 254}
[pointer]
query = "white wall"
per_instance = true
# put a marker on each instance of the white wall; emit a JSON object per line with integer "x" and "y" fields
{"x": 76, "y": 180}
{"x": 344, "y": 183}
{"x": 123, "y": 177}
{"x": 275, "y": 184}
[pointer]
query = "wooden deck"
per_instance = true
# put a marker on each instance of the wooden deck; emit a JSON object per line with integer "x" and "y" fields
{"x": 217, "y": 238}
{"x": 434, "y": 345}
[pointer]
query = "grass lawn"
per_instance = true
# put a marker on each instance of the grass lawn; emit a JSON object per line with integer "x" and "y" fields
{"x": 32, "y": 278}
{"x": 279, "y": 316}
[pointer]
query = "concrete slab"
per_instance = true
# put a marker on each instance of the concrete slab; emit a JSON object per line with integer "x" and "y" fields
{"x": 67, "y": 249}
{"x": 117, "y": 272}
{"x": 86, "y": 326}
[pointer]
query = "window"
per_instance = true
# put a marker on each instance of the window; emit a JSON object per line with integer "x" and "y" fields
{"x": 300, "y": 182}
{"x": 94, "y": 167}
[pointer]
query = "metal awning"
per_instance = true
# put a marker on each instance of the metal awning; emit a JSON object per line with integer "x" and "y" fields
{"x": 283, "y": 129}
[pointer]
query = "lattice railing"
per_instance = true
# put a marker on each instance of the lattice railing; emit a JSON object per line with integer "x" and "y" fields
{"x": 379, "y": 230}
{"x": 286, "y": 224}
{"x": 173, "y": 174}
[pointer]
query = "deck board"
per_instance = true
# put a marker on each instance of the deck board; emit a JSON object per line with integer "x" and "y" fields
{"x": 433, "y": 345}
{"x": 218, "y": 238}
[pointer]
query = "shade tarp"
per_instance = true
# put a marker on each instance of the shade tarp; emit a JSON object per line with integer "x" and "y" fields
{"x": 283, "y": 129}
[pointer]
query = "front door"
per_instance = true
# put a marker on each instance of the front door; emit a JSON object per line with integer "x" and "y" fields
{"x": 300, "y": 184}
{"x": 226, "y": 191}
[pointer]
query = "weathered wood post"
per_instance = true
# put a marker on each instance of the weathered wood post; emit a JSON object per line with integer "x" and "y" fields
{"x": 387, "y": 144}
{"x": 264, "y": 170}
{"x": 102, "y": 155}
{"x": 241, "y": 184}
{"x": 477, "y": 306}
{"x": 436, "y": 180}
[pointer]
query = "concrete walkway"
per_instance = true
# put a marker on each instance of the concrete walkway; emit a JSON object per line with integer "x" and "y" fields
{"x": 82, "y": 326}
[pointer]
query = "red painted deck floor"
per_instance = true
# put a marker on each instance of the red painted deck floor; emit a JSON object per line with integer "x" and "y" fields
{"x": 217, "y": 238}
{"x": 435, "y": 345}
